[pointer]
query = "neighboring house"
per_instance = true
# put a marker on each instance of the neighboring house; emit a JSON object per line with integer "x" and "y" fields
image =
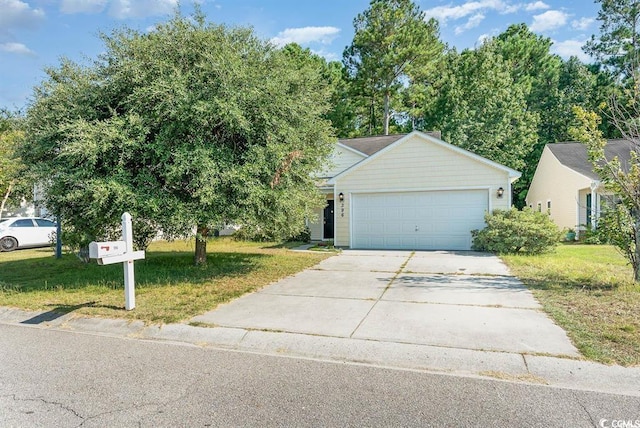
{"x": 565, "y": 185}
{"x": 410, "y": 191}
{"x": 28, "y": 208}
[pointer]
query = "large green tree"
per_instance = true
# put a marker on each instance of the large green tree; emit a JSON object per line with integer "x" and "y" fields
{"x": 393, "y": 46}
{"x": 189, "y": 126}
{"x": 618, "y": 44}
{"x": 480, "y": 108}
{"x": 552, "y": 87}
{"x": 341, "y": 113}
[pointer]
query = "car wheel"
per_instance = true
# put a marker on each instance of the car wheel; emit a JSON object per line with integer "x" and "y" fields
{"x": 8, "y": 244}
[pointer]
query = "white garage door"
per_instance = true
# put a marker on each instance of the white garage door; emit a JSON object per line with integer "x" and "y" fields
{"x": 439, "y": 220}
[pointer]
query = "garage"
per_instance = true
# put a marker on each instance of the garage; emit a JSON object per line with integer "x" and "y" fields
{"x": 433, "y": 220}
{"x": 414, "y": 192}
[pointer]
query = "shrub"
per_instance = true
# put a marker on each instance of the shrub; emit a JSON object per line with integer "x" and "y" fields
{"x": 513, "y": 231}
{"x": 616, "y": 227}
{"x": 592, "y": 236}
{"x": 259, "y": 234}
{"x": 303, "y": 236}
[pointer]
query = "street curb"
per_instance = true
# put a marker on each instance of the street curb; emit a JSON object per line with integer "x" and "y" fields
{"x": 545, "y": 370}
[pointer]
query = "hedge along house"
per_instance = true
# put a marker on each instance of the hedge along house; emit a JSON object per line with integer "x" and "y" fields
{"x": 411, "y": 191}
{"x": 565, "y": 185}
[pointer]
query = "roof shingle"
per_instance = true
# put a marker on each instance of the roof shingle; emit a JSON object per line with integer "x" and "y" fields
{"x": 372, "y": 145}
{"x": 574, "y": 155}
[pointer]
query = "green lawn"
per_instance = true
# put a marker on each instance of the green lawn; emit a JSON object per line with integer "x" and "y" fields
{"x": 589, "y": 291}
{"x": 169, "y": 288}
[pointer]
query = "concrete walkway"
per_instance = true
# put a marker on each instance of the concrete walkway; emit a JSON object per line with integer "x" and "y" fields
{"x": 458, "y": 313}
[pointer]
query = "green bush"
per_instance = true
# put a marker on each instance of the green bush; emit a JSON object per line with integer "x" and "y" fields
{"x": 592, "y": 236}
{"x": 513, "y": 231}
{"x": 258, "y": 234}
{"x": 616, "y": 227}
{"x": 304, "y": 236}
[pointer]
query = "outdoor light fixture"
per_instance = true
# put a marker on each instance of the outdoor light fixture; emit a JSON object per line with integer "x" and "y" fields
{"x": 500, "y": 192}
{"x": 341, "y": 197}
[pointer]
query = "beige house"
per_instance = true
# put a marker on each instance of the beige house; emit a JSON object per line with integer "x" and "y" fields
{"x": 410, "y": 191}
{"x": 565, "y": 185}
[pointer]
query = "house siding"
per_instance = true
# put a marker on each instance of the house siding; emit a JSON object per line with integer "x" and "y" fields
{"x": 557, "y": 183}
{"x": 315, "y": 224}
{"x": 417, "y": 165}
{"x": 341, "y": 158}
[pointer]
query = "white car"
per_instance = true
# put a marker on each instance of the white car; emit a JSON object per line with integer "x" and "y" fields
{"x": 24, "y": 232}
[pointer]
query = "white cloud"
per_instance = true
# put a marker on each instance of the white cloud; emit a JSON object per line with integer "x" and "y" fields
{"x": 444, "y": 13}
{"x": 473, "y": 22}
{"x": 570, "y": 48}
{"x": 324, "y": 35}
{"x": 483, "y": 38}
{"x": 82, "y": 6}
{"x": 548, "y": 20}
{"x": 477, "y": 7}
{"x": 16, "y": 48}
{"x": 539, "y": 5}
{"x": 123, "y": 9}
{"x": 18, "y": 14}
{"x": 582, "y": 23}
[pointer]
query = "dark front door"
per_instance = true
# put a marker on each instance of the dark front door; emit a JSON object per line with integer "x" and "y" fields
{"x": 328, "y": 220}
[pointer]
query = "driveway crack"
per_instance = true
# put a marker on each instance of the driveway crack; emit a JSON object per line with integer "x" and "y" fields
{"x": 397, "y": 273}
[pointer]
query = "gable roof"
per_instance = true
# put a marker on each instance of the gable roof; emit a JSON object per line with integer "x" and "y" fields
{"x": 431, "y": 137}
{"x": 574, "y": 155}
{"x": 372, "y": 145}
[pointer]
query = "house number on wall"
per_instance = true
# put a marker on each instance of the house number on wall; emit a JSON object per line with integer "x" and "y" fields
{"x": 342, "y": 209}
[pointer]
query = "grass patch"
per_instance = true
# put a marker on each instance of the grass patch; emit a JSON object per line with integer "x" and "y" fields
{"x": 589, "y": 291}
{"x": 169, "y": 288}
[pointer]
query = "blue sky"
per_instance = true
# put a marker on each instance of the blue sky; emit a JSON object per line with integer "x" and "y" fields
{"x": 35, "y": 34}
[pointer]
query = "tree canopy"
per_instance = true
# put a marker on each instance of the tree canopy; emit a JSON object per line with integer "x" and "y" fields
{"x": 13, "y": 177}
{"x": 393, "y": 44}
{"x": 488, "y": 116}
{"x": 191, "y": 125}
{"x": 618, "y": 43}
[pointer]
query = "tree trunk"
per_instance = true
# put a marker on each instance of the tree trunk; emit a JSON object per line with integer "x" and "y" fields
{"x": 202, "y": 232}
{"x": 386, "y": 113}
{"x": 635, "y": 260}
{"x": 5, "y": 198}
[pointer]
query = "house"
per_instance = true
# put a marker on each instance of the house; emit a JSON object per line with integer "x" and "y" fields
{"x": 565, "y": 185}
{"x": 411, "y": 191}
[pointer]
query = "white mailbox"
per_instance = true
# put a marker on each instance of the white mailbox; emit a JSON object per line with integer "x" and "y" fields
{"x": 100, "y": 250}
{"x": 120, "y": 252}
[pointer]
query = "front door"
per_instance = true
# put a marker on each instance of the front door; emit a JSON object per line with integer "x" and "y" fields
{"x": 328, "y": 220}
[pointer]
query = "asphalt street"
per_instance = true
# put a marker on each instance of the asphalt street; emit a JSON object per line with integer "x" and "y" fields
{"x": 69, "y": 379}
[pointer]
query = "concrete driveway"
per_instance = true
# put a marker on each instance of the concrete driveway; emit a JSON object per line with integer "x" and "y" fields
{"x": 462, "y": 300}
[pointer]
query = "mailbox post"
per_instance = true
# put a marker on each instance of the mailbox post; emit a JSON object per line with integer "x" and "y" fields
{"x": 120, "y": 251}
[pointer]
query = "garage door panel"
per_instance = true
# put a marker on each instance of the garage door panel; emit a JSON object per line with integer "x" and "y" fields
{"x": 418, "y": 220}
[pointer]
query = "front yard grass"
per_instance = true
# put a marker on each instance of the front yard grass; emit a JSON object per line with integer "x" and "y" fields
{"x": 589, "y": 291}
{"x": 169, "y": 288}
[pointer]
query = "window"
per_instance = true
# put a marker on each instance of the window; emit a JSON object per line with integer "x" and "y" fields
{"x": 23, "y": 223}
{"x": 45, "y": 223}
{"x": 589, "y": 210}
